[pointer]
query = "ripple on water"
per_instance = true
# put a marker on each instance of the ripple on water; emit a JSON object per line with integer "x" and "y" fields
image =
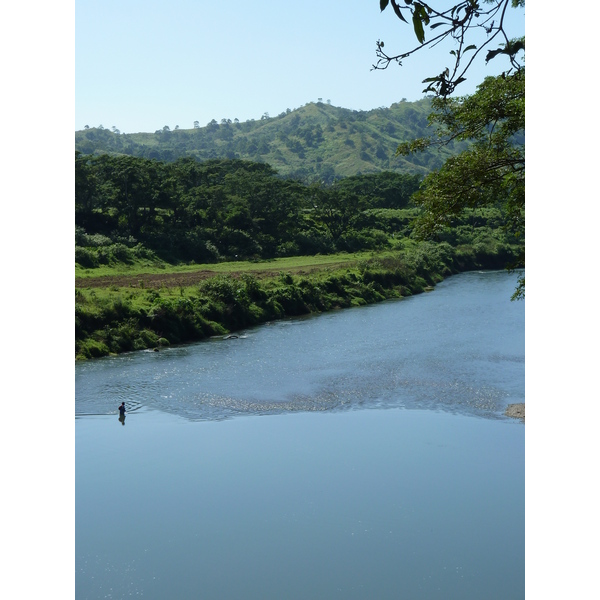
{"x": 459, "y": 350}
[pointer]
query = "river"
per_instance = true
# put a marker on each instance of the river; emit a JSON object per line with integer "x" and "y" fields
{"x": 362, "y": 453}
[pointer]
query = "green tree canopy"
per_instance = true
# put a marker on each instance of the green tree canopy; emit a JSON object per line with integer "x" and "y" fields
{"x": 491, "y": 172}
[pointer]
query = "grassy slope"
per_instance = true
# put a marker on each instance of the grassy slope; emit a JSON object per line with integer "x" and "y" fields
{"x": 351, "y": 141}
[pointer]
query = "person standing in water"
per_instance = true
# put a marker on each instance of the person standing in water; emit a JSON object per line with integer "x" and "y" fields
{"x": 122, "y": 413}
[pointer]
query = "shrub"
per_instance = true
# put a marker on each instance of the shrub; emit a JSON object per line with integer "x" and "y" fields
{"x": 225, "y": 288}
{"x": 120, "y": 252}
{"x": 288, "y": 249}
{"x": 92, "y": 348}
{"x": 97, "y": 240}
{"x": 367, "y": 239}
{"x": 180, "y": 319}
{"x": 86, "y": 257}
{"x": 314, "y": 242}
{"x": 140, "y": 251}
{"x": 286, "y": 278}
{"x": 145, "y": 339}
{"x": 253, "y": 288}
{"x": 290, "y": 299}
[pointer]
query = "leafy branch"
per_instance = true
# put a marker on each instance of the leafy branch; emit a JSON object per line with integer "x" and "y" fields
{"x": 458, "y": 23}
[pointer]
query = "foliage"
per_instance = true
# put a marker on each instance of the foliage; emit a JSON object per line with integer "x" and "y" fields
{"x": 126, "y": 319}
{"x": 130, "y": 209}
{"x": 383, "y": 190}
{"x": 491, "y": 171}
{"x": 459, "y": 23}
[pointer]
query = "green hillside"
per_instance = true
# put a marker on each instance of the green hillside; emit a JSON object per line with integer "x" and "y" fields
{"x": 316, "y": 142}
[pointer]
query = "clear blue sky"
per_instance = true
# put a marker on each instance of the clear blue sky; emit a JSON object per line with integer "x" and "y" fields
{"x": 140, "y": 65}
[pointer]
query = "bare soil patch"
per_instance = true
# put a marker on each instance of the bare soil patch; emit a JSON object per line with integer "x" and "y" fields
{"x": 175, "y": 280}
{"x": 146, "y": 280}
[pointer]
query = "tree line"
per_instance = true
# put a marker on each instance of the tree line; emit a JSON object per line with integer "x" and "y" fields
{"x": 228, "y": 209}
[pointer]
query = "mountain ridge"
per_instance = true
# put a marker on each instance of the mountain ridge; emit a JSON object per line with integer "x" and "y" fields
{"x": 315, "y": 142}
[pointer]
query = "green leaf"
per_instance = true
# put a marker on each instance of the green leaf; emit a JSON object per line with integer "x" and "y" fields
{"x": 515, "y": 46}
{"x": 471, "y": 47}
{"x": 493, "y": 53}
{"x": 418, "y": 27}
{"x": 383, "y": 4}
{"x": 423, "y": 14}
{"x": 509, "y": 49}
{"x": 398, "y": 11}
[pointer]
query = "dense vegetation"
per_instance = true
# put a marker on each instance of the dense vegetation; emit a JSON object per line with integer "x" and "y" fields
{"x": 136, "y": 214}
{"x": 119, "y": 319}
{"x": 316, "y": 142}
{"x": 227, "y": 210}
{"x": 491, "y": 170}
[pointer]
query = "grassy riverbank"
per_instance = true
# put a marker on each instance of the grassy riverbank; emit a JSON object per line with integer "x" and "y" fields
{"x": 145, "y": 306}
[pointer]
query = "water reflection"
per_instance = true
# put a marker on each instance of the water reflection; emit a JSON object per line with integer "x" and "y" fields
{"x": 372, "y": 504}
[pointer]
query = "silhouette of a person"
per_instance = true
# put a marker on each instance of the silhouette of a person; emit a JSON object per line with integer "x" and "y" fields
{"x": 122, "y": 413}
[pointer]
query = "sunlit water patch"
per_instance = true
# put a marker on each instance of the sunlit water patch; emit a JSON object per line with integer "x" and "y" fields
{"x": 458, "y": 349}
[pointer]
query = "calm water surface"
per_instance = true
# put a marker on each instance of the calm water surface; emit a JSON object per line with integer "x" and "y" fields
{"x": 245, "y": 469}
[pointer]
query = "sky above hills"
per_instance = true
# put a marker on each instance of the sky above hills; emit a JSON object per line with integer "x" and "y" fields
{"x": 142, "y": 65}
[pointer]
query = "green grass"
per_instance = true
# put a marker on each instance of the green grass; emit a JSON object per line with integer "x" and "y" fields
{"x": 119, "y": 319}
{"x": 276, "y": 264}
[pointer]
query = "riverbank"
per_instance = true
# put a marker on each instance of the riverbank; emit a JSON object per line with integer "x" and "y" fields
{"x": 121, "y": 318}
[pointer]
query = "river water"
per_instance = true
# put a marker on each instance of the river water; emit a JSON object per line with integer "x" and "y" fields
{"x": 362, "y": 453}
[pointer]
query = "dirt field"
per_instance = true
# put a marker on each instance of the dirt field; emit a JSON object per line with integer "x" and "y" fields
{"x": 174, "y": 280}
{"x": 146, "y": 280}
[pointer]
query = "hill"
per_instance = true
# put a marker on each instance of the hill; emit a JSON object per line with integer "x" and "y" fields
{"x": 316, "y": 142}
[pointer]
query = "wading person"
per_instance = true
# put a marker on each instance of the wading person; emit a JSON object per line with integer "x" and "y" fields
{"x": 122, "y": 413}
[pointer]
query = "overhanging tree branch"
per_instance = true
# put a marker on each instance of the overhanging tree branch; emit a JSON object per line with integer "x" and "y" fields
{"x": 458, "y": 24}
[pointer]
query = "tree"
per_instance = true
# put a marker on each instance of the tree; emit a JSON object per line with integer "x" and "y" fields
{"x": 382, "y": 190}
{"x": 86, "y": 190}
{"x": 491, "y": 171}
{"x": 336, "y": 208}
